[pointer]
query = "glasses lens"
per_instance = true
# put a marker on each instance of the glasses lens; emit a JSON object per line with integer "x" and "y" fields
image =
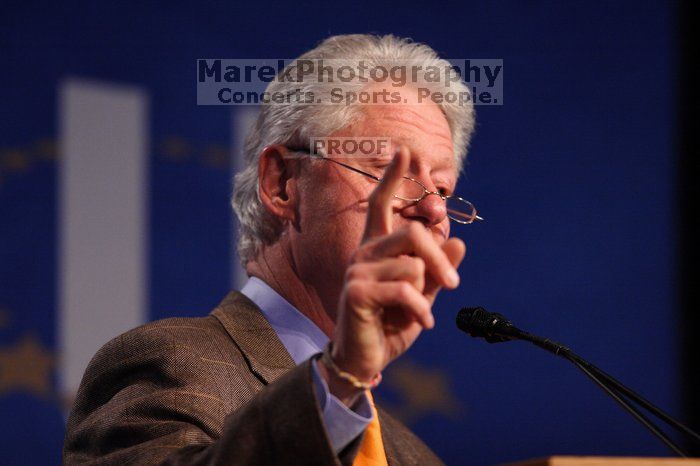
{"x": 410, "y": 190}
{"x": 460, "y": 210}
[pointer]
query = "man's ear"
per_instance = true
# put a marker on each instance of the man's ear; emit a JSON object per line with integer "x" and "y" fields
{"x": 276, "y": 182}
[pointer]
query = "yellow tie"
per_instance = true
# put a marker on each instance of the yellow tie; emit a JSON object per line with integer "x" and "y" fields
{"x": 372, "y": 449}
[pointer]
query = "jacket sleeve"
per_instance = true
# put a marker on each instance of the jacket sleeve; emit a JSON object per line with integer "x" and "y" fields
{"x": 151, "y": 396}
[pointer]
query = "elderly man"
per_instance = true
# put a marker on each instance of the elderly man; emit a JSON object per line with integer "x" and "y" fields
{"x": 345, "y": 256}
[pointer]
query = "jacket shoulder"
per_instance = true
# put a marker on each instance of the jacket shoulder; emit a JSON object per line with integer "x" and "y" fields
{"x": 170, "y": 356}
{"x": 158, "y": 340}
{"x": 170, "y": 332}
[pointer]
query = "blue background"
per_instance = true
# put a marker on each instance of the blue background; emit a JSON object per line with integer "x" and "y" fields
{"x": 574, "y": 174}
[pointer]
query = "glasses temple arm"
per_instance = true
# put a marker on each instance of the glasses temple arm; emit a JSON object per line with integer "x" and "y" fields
{"x": 356, "y": 170}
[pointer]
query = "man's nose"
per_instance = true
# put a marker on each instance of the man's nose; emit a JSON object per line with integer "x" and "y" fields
{"x": 431, "y": 210}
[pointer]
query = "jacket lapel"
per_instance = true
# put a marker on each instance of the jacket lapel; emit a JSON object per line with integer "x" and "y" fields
{"x": 387, "y": 439}
{"x": 252, "y": 333}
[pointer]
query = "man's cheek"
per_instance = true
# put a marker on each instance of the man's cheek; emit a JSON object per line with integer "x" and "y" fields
{"x": 346, "y": 237}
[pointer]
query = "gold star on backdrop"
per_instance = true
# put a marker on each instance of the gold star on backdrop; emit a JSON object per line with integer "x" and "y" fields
{"x": 423, "y": 390}
{"x": 216, "y": 156}
{"x": 26, "y": 366}
{"x": 14, "y": 160}
{"x": 175, "y": 148}
{"x": 46, "y": 149}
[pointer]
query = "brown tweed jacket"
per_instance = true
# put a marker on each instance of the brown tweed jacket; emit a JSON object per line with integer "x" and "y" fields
{"x": 220, "y": 389}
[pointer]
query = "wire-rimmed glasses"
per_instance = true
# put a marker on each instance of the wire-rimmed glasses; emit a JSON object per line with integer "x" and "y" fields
{"x": 411, "y": 190}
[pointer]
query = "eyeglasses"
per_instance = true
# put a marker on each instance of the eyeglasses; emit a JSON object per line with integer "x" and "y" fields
{"x": 413, "y": 191}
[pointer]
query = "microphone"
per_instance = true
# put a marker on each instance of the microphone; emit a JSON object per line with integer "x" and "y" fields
{"x": 495, "y": 328}
{"x": 480, "y": 323}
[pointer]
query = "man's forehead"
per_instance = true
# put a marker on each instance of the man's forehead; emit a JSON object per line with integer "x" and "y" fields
{"x": 423, "y": 129}
{"x": 424, "y": 117}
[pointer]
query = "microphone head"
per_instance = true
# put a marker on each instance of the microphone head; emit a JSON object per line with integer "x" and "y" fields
{"x": 480, "y": 323}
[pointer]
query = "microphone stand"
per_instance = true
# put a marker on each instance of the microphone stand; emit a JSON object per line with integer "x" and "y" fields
{"x": 637, "y": 398}
{"x": 645, "y": 421}
{"x": 495, "y": 328}
{"x": 614, "y": 388}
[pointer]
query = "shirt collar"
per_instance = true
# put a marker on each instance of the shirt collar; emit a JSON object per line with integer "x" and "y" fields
{"x": 299, "y": 335}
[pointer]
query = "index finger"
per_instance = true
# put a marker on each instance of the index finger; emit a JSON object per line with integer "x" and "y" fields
{"x": 380, "y": 211}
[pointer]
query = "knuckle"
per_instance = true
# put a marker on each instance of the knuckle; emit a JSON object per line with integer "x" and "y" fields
{"x": 413, "y": 265}
{"x": 405, "y": 260}
{"x": 404, "y": 291}
{"x": 354, "y": 272}
{"x": 354, "y": 290}
{"x": 419, "y": 265}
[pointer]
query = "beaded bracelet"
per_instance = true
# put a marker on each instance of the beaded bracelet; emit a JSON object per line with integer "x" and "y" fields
{"x": 354, "y": 381}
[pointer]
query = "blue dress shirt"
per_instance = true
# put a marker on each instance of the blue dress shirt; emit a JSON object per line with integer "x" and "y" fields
{"x": 302, "y": 339}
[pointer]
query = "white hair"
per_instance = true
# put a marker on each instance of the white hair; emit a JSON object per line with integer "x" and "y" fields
{"x": 293, "y": 124}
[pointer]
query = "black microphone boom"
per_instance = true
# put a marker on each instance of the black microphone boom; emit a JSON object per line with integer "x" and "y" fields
{"x": 495, "y": 328}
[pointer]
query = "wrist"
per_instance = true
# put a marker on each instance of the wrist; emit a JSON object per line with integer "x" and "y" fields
{"x": 338, "y": 387}
{"x": 329, "y": 358}
{"x": 342, "y": 384}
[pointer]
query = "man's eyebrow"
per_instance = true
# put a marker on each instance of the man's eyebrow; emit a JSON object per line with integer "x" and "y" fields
{"x": 450, "y": 181}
